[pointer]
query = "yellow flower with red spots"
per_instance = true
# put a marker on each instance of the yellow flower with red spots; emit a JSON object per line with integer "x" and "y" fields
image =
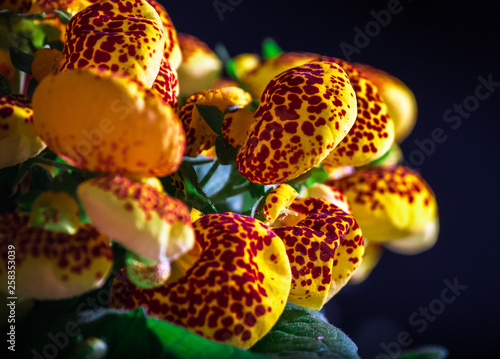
{"x": 124, "y": 37}
{"x": 235, "y": 291}
{"x": 56, "y": 256}
{"x": 305, "y": 112}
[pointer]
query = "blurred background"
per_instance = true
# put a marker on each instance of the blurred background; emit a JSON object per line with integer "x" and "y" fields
{"x": 442, "y": 51}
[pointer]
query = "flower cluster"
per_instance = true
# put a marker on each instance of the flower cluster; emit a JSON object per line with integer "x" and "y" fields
{"x": 120, "y": 116}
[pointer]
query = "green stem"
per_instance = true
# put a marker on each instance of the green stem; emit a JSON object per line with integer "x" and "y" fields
{"x": 230, "y": 193}
{"x": 209, "y": 174}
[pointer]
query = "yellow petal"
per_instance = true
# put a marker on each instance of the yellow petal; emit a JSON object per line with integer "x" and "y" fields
{"x": 148, "y": 222}
{"x": 55, "y": 211}
{"x": 400, "y": 100}
{"x": 235, "y": 292}
{"x": 172, "y": 48}
{"x": 235, "y": 126}
{"x": 303, "y": 115}
{"x": 18, "y": 139}
{"x": 324, "y": 249}
{"x": 329, "y": 194}
{"x": 166, "y": 84}
{"x": 373, "y": 132}
{"x": 124, "y": 37}
{"x": 278, "y": 200}
{"x": 107, "y": 123}
{"x": 200, "y": 67}
{"x": 389, "y": 203}
{"x": 53, "y": 265}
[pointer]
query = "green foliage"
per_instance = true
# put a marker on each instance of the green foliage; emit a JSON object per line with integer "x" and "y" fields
{"x": 134, "y": 335}
{"x": 270, "y": 48}
{"x": 303, "y": 333}
{"x": 21, "y": 60}
{"x": 212, "y": 116}
{"x": 425, "y": 352}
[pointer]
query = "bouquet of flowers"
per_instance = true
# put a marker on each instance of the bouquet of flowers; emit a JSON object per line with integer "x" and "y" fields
{"x": 161, "y": 199}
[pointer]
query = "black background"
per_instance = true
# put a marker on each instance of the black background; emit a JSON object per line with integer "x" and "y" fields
{"x": 439, "y": 51}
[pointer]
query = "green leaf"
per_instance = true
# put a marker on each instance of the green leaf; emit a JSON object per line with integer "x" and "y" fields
{"x": 270, "y": 48}
{"x": 317, "y": 175}
{"x": 21, "y": 60}
{"x": 231, "y": 68}
{"x": 64, "y": 16}
{"x": 226, "y": 154}
{"x": 5, "y": 85}
{"x": 253, "y": 106}
{"x": 212, "y": 116}
{"x": 425, "y": 352}
{"x": 303, "y": 333}
{"x": 197, "y": 198}
{"x": 40, "y": 178}
{"x": 257, "y": 190}
{"x": 134, "y": 335}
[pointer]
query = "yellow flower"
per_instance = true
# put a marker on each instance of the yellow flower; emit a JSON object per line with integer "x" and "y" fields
{"x": 373, "y": 132}
{"x": 54, "y": 260}
{"x": 18, "y": 139}
{"x": 399, "y": 99}
{"x": 199, "y": 136}
{"x": 45, "y": 62}
{"x": 393, "y": 206}
{"x": 139, "y": 216}
{"x": 304, "y": 113}
{"x": 200, "y": 67}
{"x": 107, "y": 123}
{"x": 119, "y": 36}
{"x": 234, "y": 293}
{"x": 324, "y": 245}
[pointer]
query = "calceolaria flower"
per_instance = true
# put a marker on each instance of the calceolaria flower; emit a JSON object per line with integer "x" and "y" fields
{"x": 124, "y": 37}
{"x": 234, "y": 293}
{"x": 138, "y": 215}
{"x": 323, "y": 243}
{"x": 103, "y": 122}
{"x": 56, "y": 256}
{"x": 304, "y": 113}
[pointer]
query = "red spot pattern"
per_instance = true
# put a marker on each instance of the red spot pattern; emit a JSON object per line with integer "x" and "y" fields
{"x": 304, "y": 113}
{"x": 373, "y": 132}
{"x": 114, "y": 34}
{"x": 80, "y": 261}
{"x": 223, "y": 296}
{"x": 324, "y": 250}
{"x": 166, "y": 84}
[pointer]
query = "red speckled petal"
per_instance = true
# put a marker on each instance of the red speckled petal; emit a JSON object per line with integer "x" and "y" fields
{"x": 303, "y": 115}
{"x": 172, "y": 48}
{"x": 389, "y": 203}
{"x": 18, "y": 139}
{"x": 325, "y": 248}
{"x": 373, "y": 132}
{"x": 329, "y": 194}
{"x": 53, "y": 265}
{"x": 199, "y": 136}
{"x": 166, "y": 84}
{"x": 121, "y": 36}
{"x": 234, "y": 293}
{"x": 138, "y": 216}
{"x": 280, "y": 198}
{"x": 235, "y": 126}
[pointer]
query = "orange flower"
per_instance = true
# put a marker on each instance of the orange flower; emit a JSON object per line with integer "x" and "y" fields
{"x": 107, "y": 123}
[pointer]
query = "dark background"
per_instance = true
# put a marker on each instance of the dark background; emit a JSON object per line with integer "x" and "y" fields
{"x": 439, "y": 51}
